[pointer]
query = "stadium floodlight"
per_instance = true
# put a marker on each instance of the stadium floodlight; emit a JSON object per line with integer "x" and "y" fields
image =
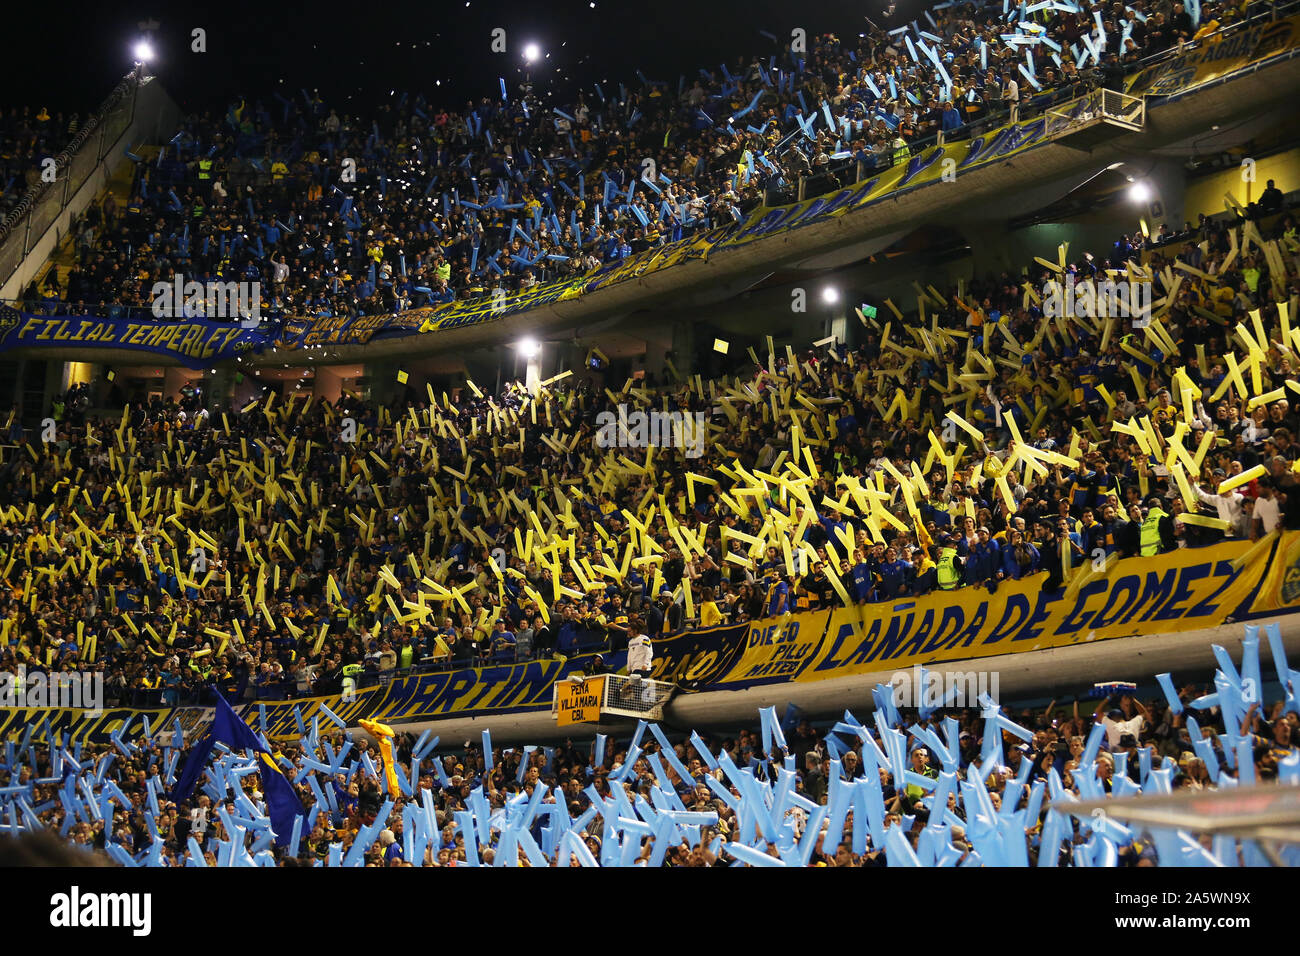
{"x": 531, "y": 52}
{"x": 830, "y": 295}
{"x": 1139, "y": 192}
{"x": 143, "y": 51}
{"x": 529, "y": 347}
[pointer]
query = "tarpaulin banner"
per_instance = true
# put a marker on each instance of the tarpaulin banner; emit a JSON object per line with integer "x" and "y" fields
{"x": 1180, "y": 591}
{"x": 85, "y": 726}
{"x": 1216, "y": 57}
{"x": 1281, "y": 588}
{"x": 1183, "y": 590}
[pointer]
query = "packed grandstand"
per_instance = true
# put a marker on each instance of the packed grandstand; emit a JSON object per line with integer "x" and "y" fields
{"x": 296, "y": 550}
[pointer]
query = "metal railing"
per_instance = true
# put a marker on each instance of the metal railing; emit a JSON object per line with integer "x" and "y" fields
{"x": 43, "y": 203}
{"x": 1129, "y": 111}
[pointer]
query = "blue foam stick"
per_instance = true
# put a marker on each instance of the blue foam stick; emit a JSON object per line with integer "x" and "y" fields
{"x": 487, "y": 750}
{"x": 1275, "y": 646}
{"x": 329, "y": 714}
{"x": 750, "y": 856}
{"x": 1251, "y": 682}
{"x": 722, "y": 792}
{"x": 898, "y": 851}
{"x": 1171, "y": 695}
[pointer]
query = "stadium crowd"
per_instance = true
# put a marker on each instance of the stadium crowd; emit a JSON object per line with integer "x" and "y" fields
{"x": 1149, "y": 746}
{"x": 420, "y": 203}
{"x": 187, "y": 544}
{"x": 27, "y": 138}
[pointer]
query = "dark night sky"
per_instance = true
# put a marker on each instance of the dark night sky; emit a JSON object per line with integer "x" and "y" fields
{"x": 68, "y": 57}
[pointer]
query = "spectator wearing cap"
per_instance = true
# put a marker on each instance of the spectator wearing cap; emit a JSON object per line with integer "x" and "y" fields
{"x": 1129, "y": 718}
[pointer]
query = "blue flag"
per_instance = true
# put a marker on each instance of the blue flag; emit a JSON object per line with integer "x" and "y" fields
{"x": 282, "y": 803}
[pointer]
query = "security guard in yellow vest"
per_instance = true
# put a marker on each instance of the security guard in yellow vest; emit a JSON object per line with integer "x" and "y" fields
{"x": 205, "y": 168}
{"x": 947, "y": 573}
{"x": 901, "y": 152}
{"x": 1152, "y": 534}
{"x": 351, "y": 673}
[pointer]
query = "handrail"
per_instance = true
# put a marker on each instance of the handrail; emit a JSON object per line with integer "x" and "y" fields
{"x": 18, "y": 221}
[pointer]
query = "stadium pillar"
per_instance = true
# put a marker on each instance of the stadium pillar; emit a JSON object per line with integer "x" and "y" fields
{"x": 683, "y": 348}
{"x": 221, "y": 385}
{"x": 383, "y": 381}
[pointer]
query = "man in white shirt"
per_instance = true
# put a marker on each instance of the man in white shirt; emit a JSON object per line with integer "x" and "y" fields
{"x": 1268, "y": 516}
{"x": 640, "y": 652}
{"x": 1228, "y": 506}
{"x": 1117, "y": 725}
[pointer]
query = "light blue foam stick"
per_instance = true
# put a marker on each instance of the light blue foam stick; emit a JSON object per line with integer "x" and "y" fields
{"x": 626, "y": 766}
{"x": 441, "y": 771}
{"x": 487, "y": 750}
{"x": 330, "y": 715}
{"x": 1094, "y": 744}
{"x": 1203, "y": 749}
{"x": 839, "y": 795}
{"x": 482, "y": 815}
{"x": 419, "y": 749}
{"x": 1252, "y": 685}
{"x": 1171, "y": 695}
{"x": 898, "y": 851}
{"x": 706, "y": 755}
{"x": 1160, "y": 782}
{"x": 663, "y": 841}
{"x": 722, "y": 792}
{"x": 600, "y": 750}
{"x": 670, "y": 754}
{"x": 1011, "y": 835}
{"x": 750, "y": 856}
{"x": 466, "y": 825}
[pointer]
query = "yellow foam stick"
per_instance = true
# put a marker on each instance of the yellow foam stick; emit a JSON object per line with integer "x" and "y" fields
{"x": 1246, "y": 477}
{"x": 1267, "y": 397}
{"x": 1138, "y": 385}
{"x": 1192, "y": 517}
{"x": 1259, "y": 549}
{"x": 964, "y": 425}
